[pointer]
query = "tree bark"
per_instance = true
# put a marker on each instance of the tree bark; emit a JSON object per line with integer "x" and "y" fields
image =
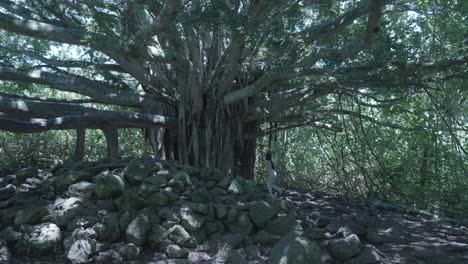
{"x": 80, "y": 144}
{"x": 112, "y": 140}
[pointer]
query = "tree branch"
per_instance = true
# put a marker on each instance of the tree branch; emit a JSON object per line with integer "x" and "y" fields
{"x": 93, "y": 121}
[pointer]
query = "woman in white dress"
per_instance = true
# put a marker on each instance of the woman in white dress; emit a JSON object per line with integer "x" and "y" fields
{"x": 271, "y": 175}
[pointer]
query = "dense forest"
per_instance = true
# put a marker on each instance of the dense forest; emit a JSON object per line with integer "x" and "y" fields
{"x": 362, "y": 98}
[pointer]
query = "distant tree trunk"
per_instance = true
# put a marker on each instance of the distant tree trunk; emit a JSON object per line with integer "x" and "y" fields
{"x": 80, "y": 144}
{"x": 112, "y": 140}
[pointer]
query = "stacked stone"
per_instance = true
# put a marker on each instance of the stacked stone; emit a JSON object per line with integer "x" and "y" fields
{"x": 109, "y": 211}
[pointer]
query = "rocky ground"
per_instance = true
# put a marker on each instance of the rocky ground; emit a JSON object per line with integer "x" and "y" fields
{"x": 146, "y": 211}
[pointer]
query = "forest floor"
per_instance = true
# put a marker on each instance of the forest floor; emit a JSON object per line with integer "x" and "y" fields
{"x": 402, "y": 238}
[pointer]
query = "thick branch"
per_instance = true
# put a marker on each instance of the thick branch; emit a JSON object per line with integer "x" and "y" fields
{"x": 93, "y": 121}
{"x": 42, "y": 30}
{"x": 22, "y": 108}
{"x": 65, "y": 82}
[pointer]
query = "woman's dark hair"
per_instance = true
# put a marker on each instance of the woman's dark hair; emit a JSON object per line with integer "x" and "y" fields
{"x": 268, "y": 157}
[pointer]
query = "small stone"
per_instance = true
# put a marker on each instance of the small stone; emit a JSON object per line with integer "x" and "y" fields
{"x": 176, "y": 252}
{"x": 81, "y": 189}
{"x": 129, "y": 252}
{"x": 234, "y": 240}
{"x": 235, "y": 187}
{"x": 237, "y": 257}
{"x": 368, "y": 256}
{"x": 108, "y": 256}
{"x": 242, "y": 225}
{"x": 322, "y": 222}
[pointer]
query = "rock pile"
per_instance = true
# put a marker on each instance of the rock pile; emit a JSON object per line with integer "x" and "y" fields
{"x": 115, "y": 211}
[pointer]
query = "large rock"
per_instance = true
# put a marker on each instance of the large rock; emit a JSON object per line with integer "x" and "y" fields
{"x": 260, "y": 212}
{"x": 179, "y": 235}
{"x": 137, "y": 170}
{"x": 190, "y": 220}
{"x": 7, "y": 192}
{"x": 41, "y": 239}
{"x": 10, "y": 235}
{"x": 23, "y": 174}
{"x": 242, "y": 225}
{"x": 183, "y": 177}
{"x": 30, "y": 215}
{"x": 176, "y": 252}
{"x": 265, "y": 239}
{"x": 368, "y": 256}
{"x": 282, "y": 225}
{"x": 138, "y": 229}
{"x": 109, "y": 228}
{"x": 208, "y": 174}
{"x": 344, "y": 248}
{"x": 109, "y": 185}
{"x": 128, "y": 251}
{"x": 294, "y": 249}
{"x": 157, "y": 235}
{"x": 64, "y": 211}
{"x": 157, "y": 200}
{"x": 5, "y": 255}
{"x": 152, "y": 184}
{"x": 79, "y": 234}
{"x": 130, "y": 200}
{"x": 80, "y": 251}
{"x": 108, "y": 256}
{"x": 201, "y": 195}
{"x": 81, "y": 189}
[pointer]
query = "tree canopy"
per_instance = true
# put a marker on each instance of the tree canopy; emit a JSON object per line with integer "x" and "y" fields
{"x": 207, "y": 78}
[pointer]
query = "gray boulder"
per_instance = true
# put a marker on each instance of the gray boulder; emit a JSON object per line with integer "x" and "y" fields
{"x": 5, "y": 255}
{"x": 260, "y": 212}
{"x": 7, "y": 192}
{"x": 30, "y": 215}
{"x": 294, "y": 249}
{"x": 108, "y": 256}
{"x": 108, "y": 185}
{"x": 179, "y": 235}
{"x": 190, "y": 220}
{"x": 242, "y": 225}
{"x": 138, "y": 229}
{"x": 130, "y": 200}
{"x": 81, "y": 189}
{"x": 282, "y": 225}
{"x": 80, "y": 251}
{"x": 176, "y": 252}
{"x": 129, "y": 251}
{"x": 137, "y": 170}
{"x": 344, "y": 248}
{"x": 40, "y": 239}
{"x": 64, "y": 211}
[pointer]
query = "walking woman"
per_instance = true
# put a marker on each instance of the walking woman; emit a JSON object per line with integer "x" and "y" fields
{"x": 271, "y": 175}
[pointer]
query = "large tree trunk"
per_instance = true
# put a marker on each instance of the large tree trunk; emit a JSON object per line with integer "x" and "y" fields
{"x": 80, "y": 144}
{"x": 221, "y": 139}
{"x": 112, "y": 140}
